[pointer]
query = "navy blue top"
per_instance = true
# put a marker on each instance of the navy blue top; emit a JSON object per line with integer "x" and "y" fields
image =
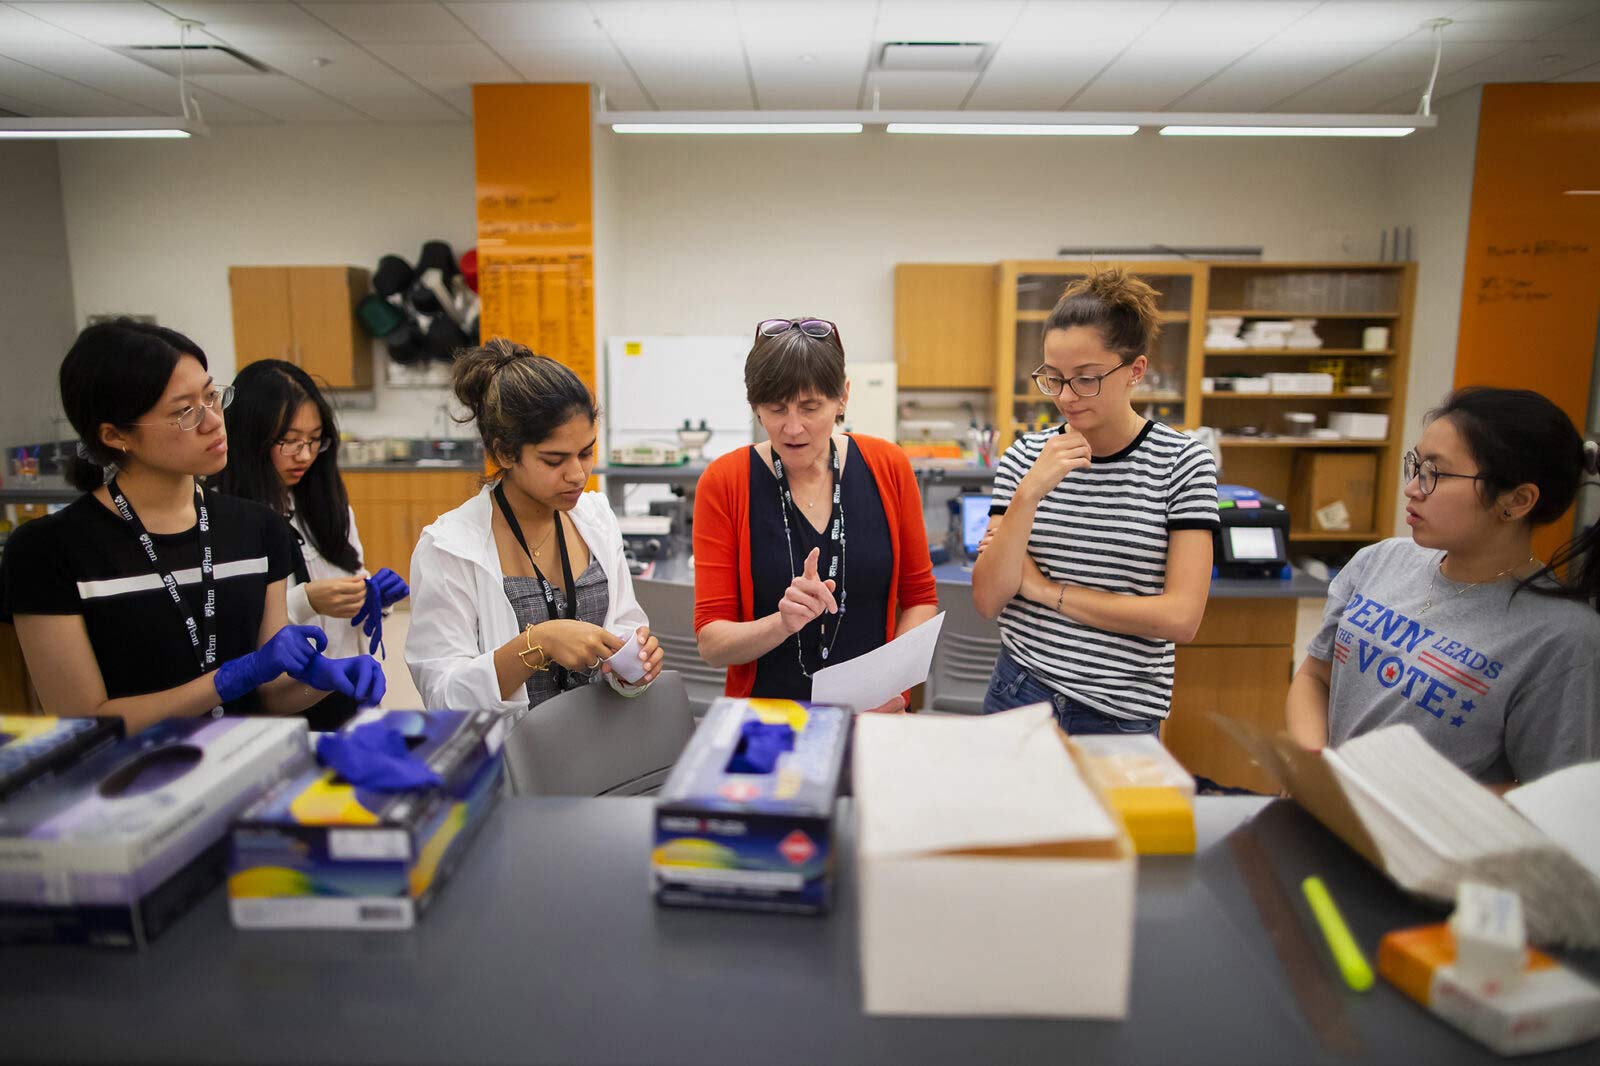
{"x": 868, "y": 569}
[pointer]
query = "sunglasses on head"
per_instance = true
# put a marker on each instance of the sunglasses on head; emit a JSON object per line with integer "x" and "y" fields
{"x": 819, "y": 328}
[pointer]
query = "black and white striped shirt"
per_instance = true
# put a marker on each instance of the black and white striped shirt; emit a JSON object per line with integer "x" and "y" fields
{"x": 1106, "y": 528}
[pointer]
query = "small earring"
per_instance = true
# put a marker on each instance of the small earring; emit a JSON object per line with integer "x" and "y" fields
{"x": 1506, "y": 514}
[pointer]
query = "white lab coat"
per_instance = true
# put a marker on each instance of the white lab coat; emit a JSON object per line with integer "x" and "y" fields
{"x": 459, "y": 610}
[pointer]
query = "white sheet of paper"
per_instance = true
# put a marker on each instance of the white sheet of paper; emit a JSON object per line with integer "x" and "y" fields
{"x": 871, "y": 680}
{"x": 1563, "y": 805}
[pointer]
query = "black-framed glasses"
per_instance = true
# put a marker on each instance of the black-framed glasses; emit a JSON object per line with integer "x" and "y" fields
{"x": 820, "y": 328}
{"x": 217, "y": 398}
{"x": 1427, "y": 475}
{"x": 291, "y": 448}
{"x": 1085, "y": 385}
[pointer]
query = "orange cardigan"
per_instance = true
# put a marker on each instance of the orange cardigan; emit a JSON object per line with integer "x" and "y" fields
{"x": 723, "y": 588}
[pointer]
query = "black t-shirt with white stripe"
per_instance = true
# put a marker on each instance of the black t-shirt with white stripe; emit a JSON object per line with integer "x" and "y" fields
{"x": 85, "y": 560}
{"x": 1106, "y": 528}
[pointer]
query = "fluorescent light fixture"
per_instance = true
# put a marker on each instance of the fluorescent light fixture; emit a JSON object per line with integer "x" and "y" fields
{"x": 1286, "y": 131}
{"x": 74, "y": 129}
{"x": 1582, "y": 192}
{"x": 1014, "y": 129}
{"x": 737, "y": 127}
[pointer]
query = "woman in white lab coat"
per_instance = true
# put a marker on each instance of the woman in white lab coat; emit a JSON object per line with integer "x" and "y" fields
{"x": 523, "y": 592}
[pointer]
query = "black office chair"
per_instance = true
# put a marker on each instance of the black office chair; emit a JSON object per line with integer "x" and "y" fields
{"x": 670, "y": 607}
{"x": 592, "y": 742}
{"x": 964, "y": 658}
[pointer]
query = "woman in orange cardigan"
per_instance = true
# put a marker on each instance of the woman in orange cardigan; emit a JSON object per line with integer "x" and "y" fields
{"x": 809, "y": 548}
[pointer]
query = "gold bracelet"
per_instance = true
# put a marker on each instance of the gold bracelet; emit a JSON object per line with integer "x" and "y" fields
{"x": 531, "y": 647}
{"x": 1059, "y": 596}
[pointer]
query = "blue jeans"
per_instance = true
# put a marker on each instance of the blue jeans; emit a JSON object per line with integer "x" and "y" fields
{"x": 1012, "y": 686}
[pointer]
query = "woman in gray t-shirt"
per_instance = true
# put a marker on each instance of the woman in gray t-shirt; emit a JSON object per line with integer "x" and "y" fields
{"x": 1461, "y": 631}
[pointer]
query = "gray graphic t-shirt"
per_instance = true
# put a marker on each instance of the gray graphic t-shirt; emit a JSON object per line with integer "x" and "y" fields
{"x": 1506, "y": 687}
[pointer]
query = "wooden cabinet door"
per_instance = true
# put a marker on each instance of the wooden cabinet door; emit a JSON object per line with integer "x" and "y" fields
{"x": 1246, "y": 683}
{"x": 263, "y": 327}
{"x": 944, "y": 325}
{"x": 328, "y": 342}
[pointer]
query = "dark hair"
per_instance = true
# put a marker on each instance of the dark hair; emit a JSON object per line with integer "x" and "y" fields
{"x": 1120, "y": 305}
{"x": 1519, "y": 437}
{"x": 516, "y": 397}
{"x": 266, "y": 396}
{"x": 114, "y": 373}
{"x": 794, "y": 363}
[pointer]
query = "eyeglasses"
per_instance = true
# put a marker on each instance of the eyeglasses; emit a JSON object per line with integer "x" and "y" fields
{"x": 217, "y": 398}
{"x": 1427, "y": 475}
{"x": 292, "y": 448}
{"x": 819, "y": 328}
{"x": 1084, "y": 385}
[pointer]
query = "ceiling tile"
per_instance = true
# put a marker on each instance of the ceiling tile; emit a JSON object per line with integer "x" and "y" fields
{"x": 1030, "y": 76}
{"x": 1532, "y": 61}
{"x": 109, "y": 23}
{"x": 530, "y": 20}
{"x": 1383, "y": 21}
{"x": 1270, "y": 73}
{"x": 899, "y": 91}
{"x": 280, "y": 97}
{"x": 1071, "y": 24}
{"x": 52, "y": 95}
{"x": 1398, "y": 70}
{"x": 364, "y": 82}
{"x": 945, "y": 20}
{"x": 824, "y": 24}
{"x": 683, "y": 76}
{"x": 21, "y": 27}
{"x": 243, "y": 25}
{"x": 1514, "y": 20}
{"x": 597, "y": 64}
{"x": 404, "y": 23}
{"x": 702, "y": 21}
{"x": 1589, "y": 73}
{"x": 1587, "y": 29}
{"x": 467, "y": 61}
{"x": 788, "y": 78}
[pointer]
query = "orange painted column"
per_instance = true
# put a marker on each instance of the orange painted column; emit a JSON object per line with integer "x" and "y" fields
{"x": 536, "y": 219}
{"x": 1531, "y": 300}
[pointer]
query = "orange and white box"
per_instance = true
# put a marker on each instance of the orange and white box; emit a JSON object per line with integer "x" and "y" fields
{"x": 1545, "y": 1007}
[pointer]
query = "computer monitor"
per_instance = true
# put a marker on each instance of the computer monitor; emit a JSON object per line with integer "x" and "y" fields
{"x": 974, "y": 521}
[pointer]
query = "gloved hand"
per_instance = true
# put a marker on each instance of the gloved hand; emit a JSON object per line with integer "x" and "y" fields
{"x": 370, "y": 617}
{"x": 375, "y": 756}
{"x": 288, "y": 650}
{"x": 391, "y": 586}
{"x": 359, "y": 677}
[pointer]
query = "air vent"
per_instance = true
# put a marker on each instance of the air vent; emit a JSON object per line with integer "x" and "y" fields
{"x": 198, "y": 59}
{"x": 931, "y": 55}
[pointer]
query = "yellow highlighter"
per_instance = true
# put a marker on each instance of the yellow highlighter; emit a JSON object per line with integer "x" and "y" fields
{"x": 1346, "y": 952}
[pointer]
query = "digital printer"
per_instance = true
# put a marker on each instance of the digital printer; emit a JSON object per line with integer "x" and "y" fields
{"x": 1253, "y": 539}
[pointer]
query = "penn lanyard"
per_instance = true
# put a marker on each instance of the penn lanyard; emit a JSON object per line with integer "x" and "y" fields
{"x": 836, "y": 544}
{"x": 202, "y": 634}
{"x": 552, "y": 606}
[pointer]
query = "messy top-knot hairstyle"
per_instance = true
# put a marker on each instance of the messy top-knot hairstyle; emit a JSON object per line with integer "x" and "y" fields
{"x": 794, "y": 364}
{"x": 517, "y": 398}
{"x": 114, "y": 373}
{"x": 1117, "y": 304}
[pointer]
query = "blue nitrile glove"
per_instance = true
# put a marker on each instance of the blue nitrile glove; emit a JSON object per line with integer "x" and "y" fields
{"x": 760, "y": 745}
{"x": 359, "y": 677}
{"x": 375, "y": 756}
{"x": 288, "y": 650}
{"x": 370, "y": 618}
{"x": 391, "y": 586}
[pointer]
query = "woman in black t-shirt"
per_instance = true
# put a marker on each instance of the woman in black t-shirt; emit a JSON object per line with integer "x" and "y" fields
{"x": 150, "y": 597}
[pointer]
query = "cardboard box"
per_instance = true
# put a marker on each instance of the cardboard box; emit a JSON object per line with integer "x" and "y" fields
{"x": 725, "y": 837}
{"x": 1304, "y": 382}
{"x": 1333, "y": 490}
{"x": 321, "y": 853}
{"x": 35, "y": 748}
{"x": 114, "y": 850}
{"x": 994, "y": 878}
{"x": 1547, "y": 1007}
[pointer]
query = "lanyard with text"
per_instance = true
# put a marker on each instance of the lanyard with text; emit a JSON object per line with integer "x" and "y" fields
{"x": 552, "y": 607}
{"x": 202, "y": 634}
{"x": 834, "y": 570}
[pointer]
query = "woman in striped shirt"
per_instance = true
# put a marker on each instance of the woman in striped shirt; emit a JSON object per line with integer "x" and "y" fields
{"x": 1103, "y": 560}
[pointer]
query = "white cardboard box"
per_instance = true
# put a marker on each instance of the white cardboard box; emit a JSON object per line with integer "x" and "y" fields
{"x": 993, "y": 879}
{"x": 1359, "y": 425}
